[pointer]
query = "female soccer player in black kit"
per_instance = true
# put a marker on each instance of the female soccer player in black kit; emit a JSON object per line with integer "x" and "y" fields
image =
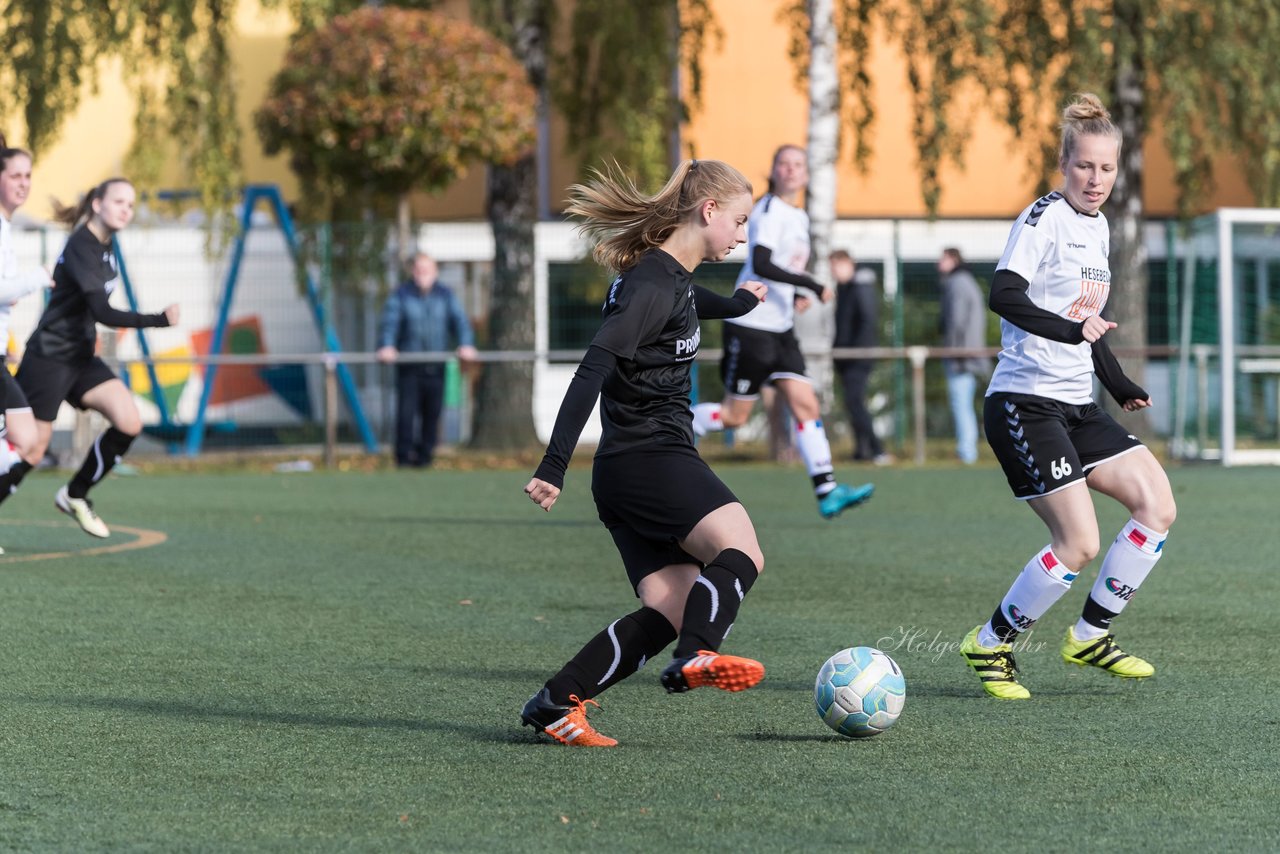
{"x": 688, "y": 545}
{"x": 59, "y": 363}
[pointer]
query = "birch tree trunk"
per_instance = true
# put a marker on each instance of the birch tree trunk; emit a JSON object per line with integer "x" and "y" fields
{"x": 814, "y": 328}
{"x": 1128, "y": 299}
{"x": 824, "y": 134}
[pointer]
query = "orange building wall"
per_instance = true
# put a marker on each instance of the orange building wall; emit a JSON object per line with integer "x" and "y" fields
{"x": 751, "y": 105}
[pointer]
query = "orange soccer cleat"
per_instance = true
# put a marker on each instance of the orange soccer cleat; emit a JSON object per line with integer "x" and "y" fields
{"x": 711, "y": 669}
{"x": 565, "y": 724}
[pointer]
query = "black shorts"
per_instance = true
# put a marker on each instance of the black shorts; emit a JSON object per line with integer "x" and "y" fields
{"x": 650, "y": 499}
{"x": 11, "y": 396}
{"x": 752, "y": 357}
{"x": 1045, "y": 445}
{"x": 48, "y": 382}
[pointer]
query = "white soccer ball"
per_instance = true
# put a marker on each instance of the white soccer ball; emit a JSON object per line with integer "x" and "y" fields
{"x": 860, "y": 692}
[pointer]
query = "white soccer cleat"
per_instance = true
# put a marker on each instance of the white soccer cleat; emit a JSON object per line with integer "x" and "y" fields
{"x": 81, "y": 509}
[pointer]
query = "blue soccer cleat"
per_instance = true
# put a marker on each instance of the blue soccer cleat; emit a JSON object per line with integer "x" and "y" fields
{"x": 842, "y": 498}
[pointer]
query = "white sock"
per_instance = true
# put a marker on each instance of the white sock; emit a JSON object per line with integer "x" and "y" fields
{"x": 1043, "y": 581}
{"x": 1083, "y": 631}
{"x": 706, "y": 418}
{"x": 1133, "y": 554}
{"x": 815, "y": 450}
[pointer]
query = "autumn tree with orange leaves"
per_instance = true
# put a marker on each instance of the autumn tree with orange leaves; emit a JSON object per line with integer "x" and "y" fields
{"x": 381, "y": 102}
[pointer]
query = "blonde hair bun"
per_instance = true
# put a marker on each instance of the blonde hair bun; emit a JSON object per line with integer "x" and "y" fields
{"x": 1085, "y": 107}
{"x": 1086, "y": 116}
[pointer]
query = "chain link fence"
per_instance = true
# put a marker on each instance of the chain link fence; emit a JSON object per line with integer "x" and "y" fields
{"x": 275, "y": 385}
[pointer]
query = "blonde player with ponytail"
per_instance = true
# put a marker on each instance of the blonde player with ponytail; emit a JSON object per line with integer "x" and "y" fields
{"x": 687, "y": 544}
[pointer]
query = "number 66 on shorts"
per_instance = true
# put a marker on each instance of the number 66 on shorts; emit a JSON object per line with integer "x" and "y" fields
{"x": 1045, "y": 445}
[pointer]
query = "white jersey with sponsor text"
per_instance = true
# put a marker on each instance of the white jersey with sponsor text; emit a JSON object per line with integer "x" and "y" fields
{"x": 15, "y": 283}
{"x": 784, "y": 230}
{"x": 1062, "y": 253}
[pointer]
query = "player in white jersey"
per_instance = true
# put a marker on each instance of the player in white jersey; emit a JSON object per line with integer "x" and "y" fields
{"x": 761, "y": 346}
{"x": 18, "y": 436}
{"x": 1053, "y": 442}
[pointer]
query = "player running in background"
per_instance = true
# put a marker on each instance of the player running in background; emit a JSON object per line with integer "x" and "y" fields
{"x": 761, "y": 345}
{"x": 688, "y": 546}
{"x": 59, "y": 363}
{"x": 1052, "y": 440}
{"x": 18, "y": 437}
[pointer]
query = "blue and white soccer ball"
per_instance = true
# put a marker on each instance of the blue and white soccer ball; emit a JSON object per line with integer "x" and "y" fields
{"x": 860, "y": 692}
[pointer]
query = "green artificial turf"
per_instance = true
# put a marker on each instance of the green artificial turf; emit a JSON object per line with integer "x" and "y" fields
{"x": 337, "y": 662}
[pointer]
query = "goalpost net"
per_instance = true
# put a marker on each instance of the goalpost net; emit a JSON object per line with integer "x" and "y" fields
{"x": 1227, "y": 393}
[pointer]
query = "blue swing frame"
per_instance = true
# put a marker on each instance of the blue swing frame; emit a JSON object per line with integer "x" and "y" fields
{"x": 195, "y": 433}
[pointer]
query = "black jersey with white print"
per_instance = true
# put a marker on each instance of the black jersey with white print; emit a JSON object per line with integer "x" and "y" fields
{"x": 83, "y": 280}
{"x": 638, "y": 363}
{"x": 1062, "y": 255}
{"x": 651, "y": 325}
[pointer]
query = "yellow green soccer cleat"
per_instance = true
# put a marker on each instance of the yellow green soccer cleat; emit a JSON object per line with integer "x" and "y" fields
{"x": 994, "y": 666}
{"x": 1103, "y": 652}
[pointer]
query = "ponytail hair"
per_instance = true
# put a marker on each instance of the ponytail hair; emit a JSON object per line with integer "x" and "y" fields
{"x": 71, "y": 216}
{"x": 1085, "y": 116}
{"x": 625, "y": 223}
{"x": 6, "y": 153}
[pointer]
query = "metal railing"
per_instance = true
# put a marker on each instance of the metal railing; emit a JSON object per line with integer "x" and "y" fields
{"x": 916, "y": 359}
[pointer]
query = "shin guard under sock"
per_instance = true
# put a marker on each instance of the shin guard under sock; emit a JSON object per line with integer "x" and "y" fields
{"x": 612, "y": 655}
{"x": 107, "y": 450}
{"x": 713, "y": 603}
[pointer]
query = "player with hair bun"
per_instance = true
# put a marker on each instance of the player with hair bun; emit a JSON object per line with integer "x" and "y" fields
{"x": 1053, "y": 442}
{"x": 688, "y": 546}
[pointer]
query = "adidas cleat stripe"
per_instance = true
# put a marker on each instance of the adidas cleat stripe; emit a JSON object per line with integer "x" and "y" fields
{"x": 564, "y": 730}
{"x": 1105, "y": 655}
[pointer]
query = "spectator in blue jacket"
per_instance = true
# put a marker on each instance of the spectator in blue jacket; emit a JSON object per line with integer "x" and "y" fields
{"x": 421, "y": 316}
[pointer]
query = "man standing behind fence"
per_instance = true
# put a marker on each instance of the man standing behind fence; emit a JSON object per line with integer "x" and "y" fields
{"x": 421, "y": 316}
{"x": 964, "y": 324}
{"x": 857, "y": 325}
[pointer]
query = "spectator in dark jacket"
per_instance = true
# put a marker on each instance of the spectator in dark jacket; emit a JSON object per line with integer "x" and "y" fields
{"x": 964, "y": 324}
{"x": 421, "y": 316}
{"x": 857, "y": 325}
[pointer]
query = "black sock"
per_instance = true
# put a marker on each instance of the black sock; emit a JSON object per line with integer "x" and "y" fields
{"x": 713, "y": 603}
{"x": 612, "y": 655}
{"x": 823, "y": 483}
{"x": 1096, "y": 615}
{"x": 107, "y": 450}
{"x": 1004, "y": 629}
{"x": 9, "y": 480}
